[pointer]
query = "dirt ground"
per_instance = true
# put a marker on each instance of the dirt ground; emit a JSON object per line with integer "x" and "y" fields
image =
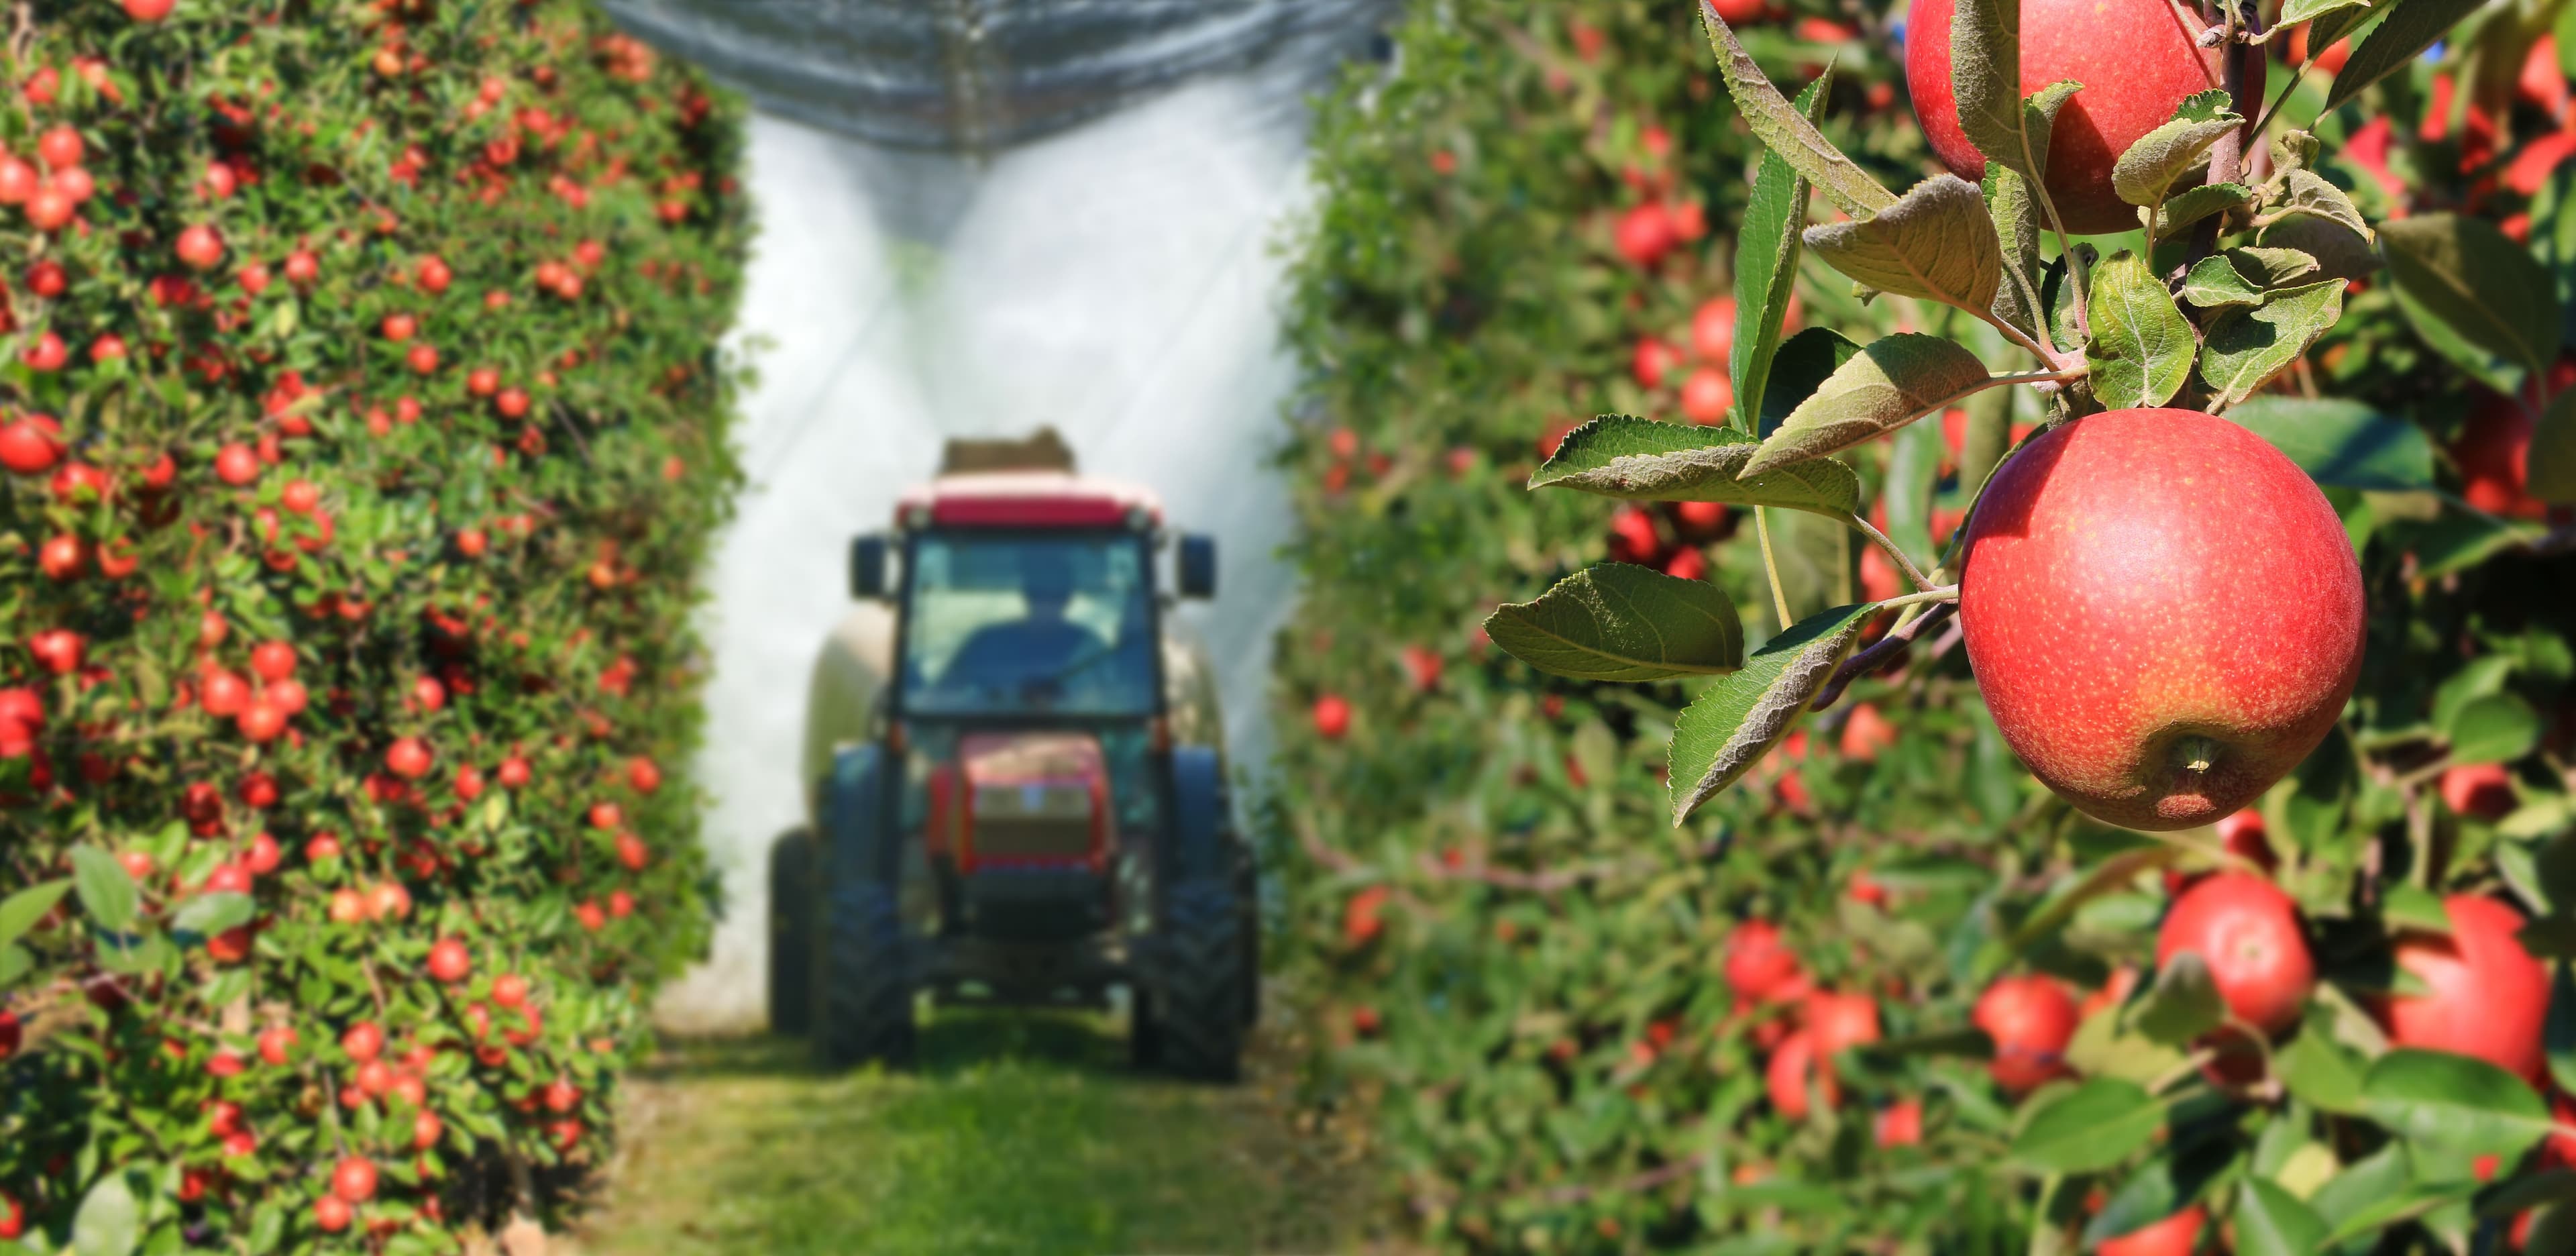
{"x": 1019, "y": 1135}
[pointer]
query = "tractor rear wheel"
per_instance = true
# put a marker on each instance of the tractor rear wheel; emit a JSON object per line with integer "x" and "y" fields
{"x": 862, "y": 991}
{"x": 791, "y": 933}
{"x": 1198, "y": 1021}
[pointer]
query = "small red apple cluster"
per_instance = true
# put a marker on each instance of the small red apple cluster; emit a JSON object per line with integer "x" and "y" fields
{"x": 344, "y": 606}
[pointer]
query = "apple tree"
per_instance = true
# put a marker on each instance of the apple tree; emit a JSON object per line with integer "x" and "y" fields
{"x": 362, "y": 432}
{"x": 2199, "y": 535}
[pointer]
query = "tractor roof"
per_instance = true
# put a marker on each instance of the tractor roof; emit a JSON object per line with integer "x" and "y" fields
{"x": 1025, "y": 499}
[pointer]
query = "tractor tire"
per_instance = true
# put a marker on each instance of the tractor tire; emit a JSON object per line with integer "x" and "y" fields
{"x": 862, "y": 991}
{"x": 1198, "y": 1020}
{"x": 791, "y": 934}
{"x": 1248, "y": 898}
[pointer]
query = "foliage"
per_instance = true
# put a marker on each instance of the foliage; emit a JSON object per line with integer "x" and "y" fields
{"x": 366, "y": 433}
{"x": 1531, "y": 979}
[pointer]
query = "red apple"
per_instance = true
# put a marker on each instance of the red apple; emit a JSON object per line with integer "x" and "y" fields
{"x": 1759, "y": 966}
{"x": 2137, "y": 59}
{"x": 200, "y": 248}
{"x": 2248, "y": 932}
{"x": 450, "y": 961}
{"x": 2163, "y": 613}
{"x": 1713, "y": 329}
{"x": 1706, "y": 394}
{"x": 2031, "y": 1019}
{"x": 2176, "y": 1235}
{"x": 2488, "y": 997}
{"x": 354, "y": 1179}
{"x": 1793, "y": 1064}
{"x": 2480, "y": 791}
{"x": 1900, "y": 1124}
{"x": 1332, "y": 716}
{"x": 1644, "y": 234}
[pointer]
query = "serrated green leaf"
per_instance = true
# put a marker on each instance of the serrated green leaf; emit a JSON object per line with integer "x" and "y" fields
{"x": 1805, "y": 362}
{"x": 2473, "y": 277}
{"x": 1786, "y": 131}
{"x": 2183, "y": 1005}
{"x": 2455, "y": 1103}
{"x": 2149, "y": 168}
{"x": 2553, "y": 451}
{"x": 2305, "y": 193}
{"x": 2142, "y": 347}
{"x": 106, "y": 892}
{"x": 2340, "y": 442}
{"x": 2193, "y": 204}
{"x": 2245, "y": 276}
{"x": 2297, "y": 11}
{"x": 1985, "y": 80}
{"x": 1892, "y": 382}
{"x": 110, "y": 1220}
{"x": 2321, "y": 1072}
{"x": 1766, "y": 266}
{"x": 2273, "y": 1222}
{"x": 209, "y": 914}
{"x": 2087, "y": 1129}
{"x": 1640, "y": 460}
{"x": 1937, "y": 242}
{"x": 2414, "y": 907}
{"x": 2246, "y": 348}
{"x": 2017, "y": 231}
{"x": 2409, "y": 29}
{"x": 2496, "y": 728}
{"x": 1736, "y": 721}
{"x": 1620, "y": 622}
{"x": 20, "y": 911}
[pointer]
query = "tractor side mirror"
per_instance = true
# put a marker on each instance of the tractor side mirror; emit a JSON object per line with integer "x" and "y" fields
{"x": 1197, "y": 562}
{"x": 868, "y": 568}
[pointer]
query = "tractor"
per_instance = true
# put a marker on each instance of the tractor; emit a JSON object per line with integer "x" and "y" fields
{"x": 1015, "y": 789}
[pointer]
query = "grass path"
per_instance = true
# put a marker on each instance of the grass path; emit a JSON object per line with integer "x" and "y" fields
{"x": 1019, "y": 1136}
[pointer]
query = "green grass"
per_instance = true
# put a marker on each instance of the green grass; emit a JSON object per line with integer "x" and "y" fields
{"x": 1019, "y": 1135}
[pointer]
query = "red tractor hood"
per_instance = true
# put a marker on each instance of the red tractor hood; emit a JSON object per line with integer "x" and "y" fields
{"x": 1022, "y": 800}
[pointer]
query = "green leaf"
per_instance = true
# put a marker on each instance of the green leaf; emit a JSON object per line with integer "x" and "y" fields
{"x": 2246, "y": 348}
{"x": 2244, "y": 276}
{"x": 20, "y": 911}
{"x": 1621, "y": 622}
{"x": 2297, "y": 11}
{"x": 2273, "y": 1222}
{"x": 2409, "y": 29}
{"x": 2548, "y": 1187}
{"x": 2321, "y": 1072}
{"x": 2455, "y": 1103}
{"x": 2193, "y": 204}
{"x": 1641, "y": 460}
{"x": 2559, "y": 1032}
{"x": 1805, "y": 362}
{"x": 106, "y": 892}
{"x": 1766, "y": 265}
{"x": 110, "y": 1221}
{"x": 2495, "y": 728}
{"x": 2474, "y": 278}
{"x": 1985, "y": 79}
{"x": 2018, "y": 227}
{"x": 209, "y": 914}
{"x": 1892, "y": 382}
{"x": 2553, "y": 451}
{"x": 2150, "y": 167}
{"x": 2340, "y": 442}
{"x": 1786, "y": 131}
{"x": 2341, "y": 252}
{"x": 2414, "y": 907}
{"x": 1937, "y": 243}
{"x": 15, "y": 962}
{"x": 2087, "y": 1129}
{"x": 1737, "y": 720}
{"x": 2142, "y": 347}
{"x": 2305, "y": 193}
{"x": 2184, "y": 1003}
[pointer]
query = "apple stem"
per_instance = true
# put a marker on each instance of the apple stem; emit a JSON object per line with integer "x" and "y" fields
{"x": 1771, "y": 565}
{"x": 1912, "y": 572}
{"x": 1877, "y": 653}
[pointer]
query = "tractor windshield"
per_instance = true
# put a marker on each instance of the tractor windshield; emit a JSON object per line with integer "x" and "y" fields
{"x": 1004, "y": 624}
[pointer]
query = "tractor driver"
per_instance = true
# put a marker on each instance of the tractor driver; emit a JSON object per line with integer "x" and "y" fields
{"x": 1038, "y": 650}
